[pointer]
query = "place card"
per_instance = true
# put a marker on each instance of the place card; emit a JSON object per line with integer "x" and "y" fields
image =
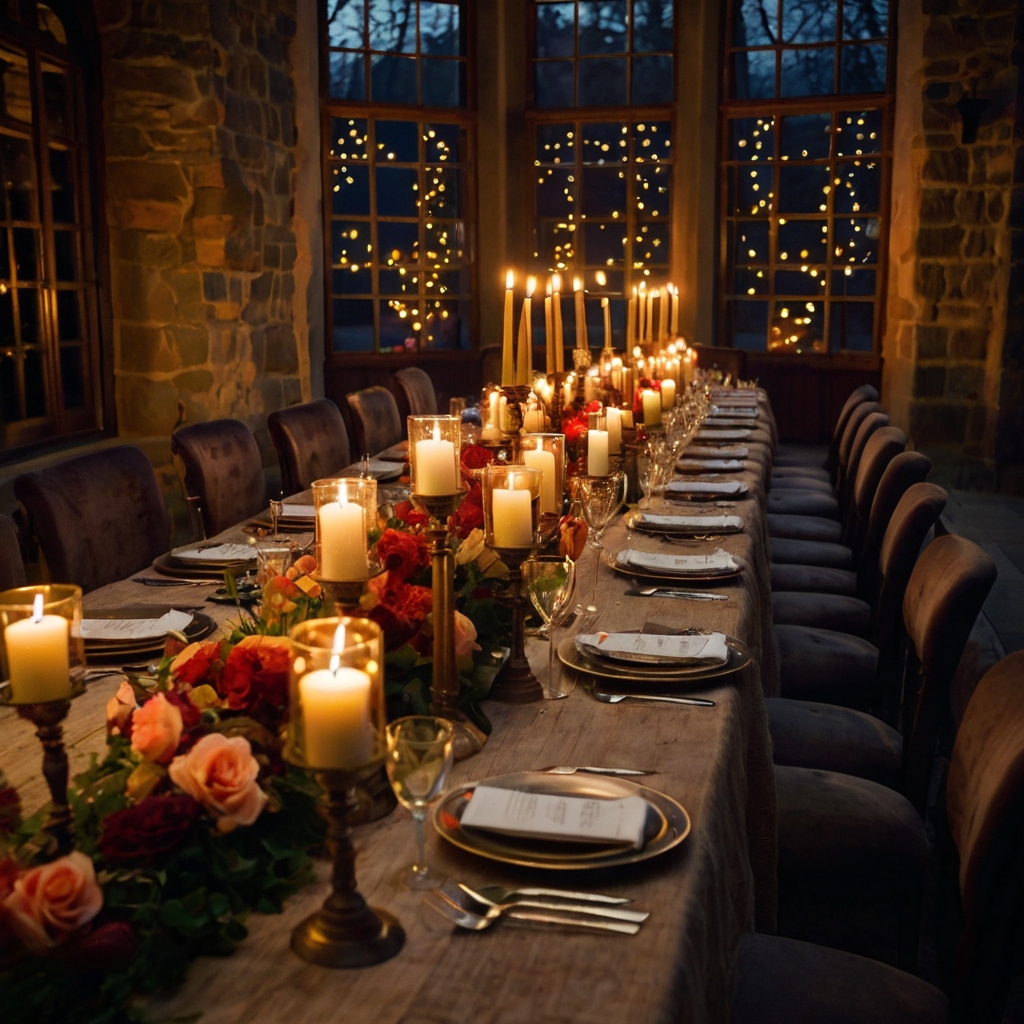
{"x": 715, "y": 563}
{"x": 218, "y": 553}
{"x": 651, "y": 648}
{"x": 124, "y": 630}
{"x": 297, "y": 512}
{"x": 545, "y": 816}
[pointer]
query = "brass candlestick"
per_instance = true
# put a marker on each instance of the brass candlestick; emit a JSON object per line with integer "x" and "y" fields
{"x": 516, "y": 683}
{"x": 346, "y": 594}
{"x": 346, "y": 931}
{"x": 467, "y": 739}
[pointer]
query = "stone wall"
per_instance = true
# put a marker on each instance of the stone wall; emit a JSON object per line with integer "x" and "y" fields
{"x": 200, "y": 136}
{"x": 954, "y": 161}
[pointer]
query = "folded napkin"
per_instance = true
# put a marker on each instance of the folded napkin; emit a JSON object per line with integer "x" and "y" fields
{"x": 297, "y": 511}
{"x": 135, "y": 629}
{"x": 652, "y": 648}
{"x": 218, "y": 553}
{"x": 709, "y": 465}
{"x": 715, "y": 563}
{"x": 689, "y": 523}
{"x": 545, "y": 816}
{"x": 733, "y": 487}
{"x": 739, "y": 411}
{"x": 724, "y": 422}
{"x": 722, "y": 435}
{"x": 732, "y": 451}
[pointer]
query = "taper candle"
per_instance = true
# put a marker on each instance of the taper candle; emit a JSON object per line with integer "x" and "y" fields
{"x": 556, "y": 315}
{"x": 507, "y": 361}
{"x": 581, "y": 314}
{"x": 607, "y": 310}
{"x": 549, "y": 332}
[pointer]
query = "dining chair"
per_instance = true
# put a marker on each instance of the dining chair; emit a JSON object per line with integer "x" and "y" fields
{"x": 414, "y": 392}
{"x": 375, "y": 418}
{"x": 787, "y": 980}
{"x": 97, "y": 517}
{"x": 311, "y": 442}
{"x": 222, "y": 469}
{"x": 12, "y": 568}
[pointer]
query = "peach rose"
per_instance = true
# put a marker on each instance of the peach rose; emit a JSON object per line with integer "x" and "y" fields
{"x": 221, "y": 774}
{"x": 120, "y": 708}
{"x": 275, "y": 652}
{"x": 465, "y": 636}
{"x": 156, "y": 729}
{"x": 572, "y": 537}
{"x": 50, "y": 902}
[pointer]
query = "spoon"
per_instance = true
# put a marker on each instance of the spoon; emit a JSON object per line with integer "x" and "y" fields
{"x": 618, "y": 698}
{"x": 499, "y": 894}
{"x": 480, "y": 903}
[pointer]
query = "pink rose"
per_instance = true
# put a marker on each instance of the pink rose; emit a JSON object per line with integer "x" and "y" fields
{"x": 50, "y": 902}
{"x": 465, "y": 636}
{"x": 120, "y": 708}
{"x": 156, "y": 729}
{"x": 221, "y": 774}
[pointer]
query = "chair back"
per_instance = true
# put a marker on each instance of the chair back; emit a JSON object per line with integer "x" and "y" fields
{"x": 98, "y": 517}
{"x": 903, "y": 472}
{"x": 944, "y": 596}
{"x": 858, "y": 414}
{"x": 985, "y": 811}
{"x": 376, "y": 420}
{"x": 865, "y": 393}
{"x": 882, "y": 447}
{"x": 414, "y": 391}
{"x": 223, "y": 469}
{"x": 311, "y": 442}
{"x": 12, "y": 568}
{"x": 869, "y": 425}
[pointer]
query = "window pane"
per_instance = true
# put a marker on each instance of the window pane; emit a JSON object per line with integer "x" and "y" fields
{"x": 864, "y": 68}
{"x": 26, "y": 254}
{"x": 803, "y": 241}
{"x": 439, "y": 28}
{"x": 602, "y": 82}
{"x": 393, "y": 79}
{"x": 441, "y": 195}
{"x": 68, "y": 326}
{"x": 19, "y": 177}
{"x": 397, "y": 140}
{"x": 556, "y": 191}
{"x": 399, "y": 242}
{"x": 15, "y": 97}
{"x": 853, "y": 282}
{"x": 62, "y": 186}
{"x": 859, "y": 133}
{"x": 28, "y": 306}
{"x": 64, "y": 253}
{"x": 604, "y": 191}
{"x": 652, "y": 25}
{"x": 652, "y": 141}
{"x": 653, "y": 191}
{"x": 35, "y": 384}
{"x": 399, "y": 282}
{"x": 350, "y": 242}
{"x": 10, "y": 404}
{"x": 856, "y": 240}
{"x": 652, "y": 80}
{"x": 356, "y": 279}
{"x": 808, "y": 72}
{"x": 753, "y": 74}
{"x": 859, "y": 187}
{"x": 348, "y": 138}
{"x": 749, "y": 325}
{"x": 350, "y": 190}
{"x": 72, "y": 378}
{"x": 555, "y": 28}
{"x": 651, "y": 245}
{"x": 749, "y": 282}
{"x": 446, "y": 325}
{"x": 345, "y": 23}
{"x": 441, "y": 82}
{"x": 605, "y": 143}
{"x": 602, "y": 26}
{"x": 442, "y": 142}
{"x": 755, "y": 23}
{"x": 800, "y": 282}
{"x": 8, "y": 337}
{"x": 798, "y": 326}
{"x": 348, "y": 76}
{"x": 397, "y": 191}
{"x": 555, "y": 243}
{"x": 852, "y": 326}
{"x": 865, "y": 19}
{"x": 749, "y": 243}
{"x": 553, "y": 83}
{"x": 808, "y": 21}
{"x": 804, "y": 188}
{"x": 555, "y": 143}
{"x": 605, "y": 244}
{"x": 353, "y": 325}
{"x": 398, "y": 324}
{"x": 807, "y": 136}
{"x": 747, "y": 195}
{"x": 752, "y": 138}
{"x": 444, "y": 244}
{"x": 55, "y": 100}
{"x": 393, "y": 25}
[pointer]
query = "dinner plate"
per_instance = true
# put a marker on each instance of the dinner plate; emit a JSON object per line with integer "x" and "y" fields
{"x": 651, "y": 574}
{"x": 658, "y": 677}
{"x": 167, "y": 565}
{"x": 647, "y": 662}
{"x": 722, "y": 435}
{"x": 668, "y": 824}
{"x": 199, "y": 628}
{"x": 678, "y": 489}
{"x": 634, "y": 521}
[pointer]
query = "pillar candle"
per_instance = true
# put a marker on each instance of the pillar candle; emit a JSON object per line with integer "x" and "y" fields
{"x": 336, "y": 717}
{"x": 668, "y": 393}
{"x": 492, "y": 428}
{"x": 590, "y": 383}
{"x": 597, "y": 452}
{"x": 512, "y": 517}
{"x": 549, "y": 333}
{"x": 652, "y": 407}
{"x": 538, "y": 458}
{"x": 581, "y": 315}
{"x": 435, "y": 466}
{"x": 607, "y": 310}
{"x": 556, "y": 315}
{"x": 37, "y": 656}
{"x": 613, "y": 418}
{"x": 342, "y": 540}
{"x": 533, "y": 421}
{"x": 507, "y": 366}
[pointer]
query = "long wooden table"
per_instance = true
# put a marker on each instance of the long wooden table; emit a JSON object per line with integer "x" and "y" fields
{"x": 702, "y": 895}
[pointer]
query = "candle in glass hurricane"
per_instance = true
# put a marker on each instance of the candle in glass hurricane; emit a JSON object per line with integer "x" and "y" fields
{"x": 546, "y": 452}
{"x": 651, "y": 407}
{"x": 346, "y": 509}
{"x": 668, "y": 393}
{"x": 38, "y": 660}
{"x": 434, "y": 446}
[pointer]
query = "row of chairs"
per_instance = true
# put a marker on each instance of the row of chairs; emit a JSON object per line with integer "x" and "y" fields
{"x": 871, "y": 620}
{"x": 101, "y": 517}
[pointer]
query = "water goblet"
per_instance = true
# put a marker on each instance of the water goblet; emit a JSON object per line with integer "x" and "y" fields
{"x": 551, "y": 581}
{"x": 418, "y": 760}
{"x": 601, "y": 497}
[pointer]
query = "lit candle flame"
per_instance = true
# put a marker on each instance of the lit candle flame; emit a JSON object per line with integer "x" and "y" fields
{"x": 601, "y": 278}
{"x": 577, "y": 284}
{"x": 549, "y": 290}
{"x": 437, "y": 431}
{"x": 37, "y": 608}
{"x": 337, "y": 647}
{"x": 556, "y": 282}
{"x": 531, "y": 283}
{"x": 509, "y": 280}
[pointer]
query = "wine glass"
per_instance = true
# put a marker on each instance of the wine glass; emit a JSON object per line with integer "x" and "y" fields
{"x": 601, "y": 497}
{"x": 551, "y": 581}
{"x": 419, "y": 757}
{"x": 648, "y": 474}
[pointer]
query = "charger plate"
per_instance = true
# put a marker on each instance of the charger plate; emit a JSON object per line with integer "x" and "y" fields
{"x": 668, "y": 824}
{"x": 168, "y": 565}
{"x": 199, "y": 628}
{"x": 634, "y": 521}
{"x": 660, "y": 577}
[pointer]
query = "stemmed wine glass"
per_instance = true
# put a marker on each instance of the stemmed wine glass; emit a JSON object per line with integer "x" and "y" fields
{"x": 419, "y": 757}
{"x": 551, "y": 581}
{"x": 601, "y": 497}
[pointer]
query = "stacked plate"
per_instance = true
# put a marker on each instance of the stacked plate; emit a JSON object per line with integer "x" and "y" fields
{"x": 684, "y": 526}
{"x": 706, "y": 490}
{"x": 704, "y": 434}
{"x": 715, "y": 565}
{"x": 124, "y": 634}
{"x": 725, "y": 451}
{"x": 709, "y": 465}
{"x": 206, "y": 561}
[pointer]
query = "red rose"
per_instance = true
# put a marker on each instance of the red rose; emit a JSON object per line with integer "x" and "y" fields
{"x": 196, "y": 662}
{"x": 401, "y": 611}
{"x": 476, "y": 456}
{"x": 110, "y": 948}
{"x": 404, "y": 555}
{"x": 468, "y": 517}
{"x": 154, "y": 826}
{"x": 256, "y": 670}
{"x": 593, "y": 406}
{"x": 410, "y": 515}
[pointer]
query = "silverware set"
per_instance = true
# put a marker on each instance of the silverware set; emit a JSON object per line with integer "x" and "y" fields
{"x": 676, "y": 592}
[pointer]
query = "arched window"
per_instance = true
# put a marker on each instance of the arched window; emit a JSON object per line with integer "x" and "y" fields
{"x": 49, "y": 350}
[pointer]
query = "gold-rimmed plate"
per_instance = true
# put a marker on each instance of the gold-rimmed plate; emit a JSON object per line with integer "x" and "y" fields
{"x": 199, "y": 628}
{"x": 634, "y": 521}
{"x": 678, "y": 577}
{"x": 667, "y": 826}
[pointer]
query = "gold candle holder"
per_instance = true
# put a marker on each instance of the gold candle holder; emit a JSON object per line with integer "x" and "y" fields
{"x": 346, "y": 512}
{"x": 336, "y": 732}
{"x": 42, "y": 659}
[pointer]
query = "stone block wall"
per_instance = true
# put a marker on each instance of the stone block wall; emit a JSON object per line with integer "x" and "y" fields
{"x": 954, "y": 165}
{"x": 200, "y": 139}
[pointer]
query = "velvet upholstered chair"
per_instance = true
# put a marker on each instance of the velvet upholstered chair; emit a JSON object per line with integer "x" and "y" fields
{"x": 311, "y": 442}
{"x": 414, "y": 392}
{"x": 375, "y": 419}
{"x": 223, "y": 470}
{"x": 12, "y": 568}
{"x": 98, "y": 517}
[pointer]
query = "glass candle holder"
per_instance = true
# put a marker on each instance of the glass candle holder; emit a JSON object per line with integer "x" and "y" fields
{"x": 490, "y": 414}
{"x": 511, "y": 506}
{"x": 597, "y": 444}
{"x": 336, "y": 694}
{"x": 434, "y": 447}
{"x": 650, "y": 404}
{"x": 42, "y": 654}
{"x": 346, "y": 511}
{"x": 546, "y": 452}
{"x": 533, "y": 415}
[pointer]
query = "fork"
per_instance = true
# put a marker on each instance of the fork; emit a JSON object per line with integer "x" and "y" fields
{"x": 488, "y": 906}
{"x": 500, "y": 894}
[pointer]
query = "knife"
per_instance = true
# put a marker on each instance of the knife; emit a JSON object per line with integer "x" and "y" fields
{"x": 570, "y": 770}
{"x": 683, "y": 595}
{"x": 153, "y": 581}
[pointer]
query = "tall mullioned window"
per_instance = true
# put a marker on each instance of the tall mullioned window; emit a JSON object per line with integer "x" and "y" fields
{"x": 805, "y": 171}
{"x": 398, "y": 175}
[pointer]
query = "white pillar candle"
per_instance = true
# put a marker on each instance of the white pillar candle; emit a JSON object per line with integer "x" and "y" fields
{"x": 533, "y": 421}
{"x": 538, "y": 458}
{"x": 597, "y": 452}
{"x": 568, "y": 390}
{"x": 492, "y": 428}
{"x": 37, "y": 657}
{"x": 336, "y": 716}
{"x": 613, "y": 417}
{"x": 435, "y": 466}
{"x": 512, "y": 517}
{"x": 342, "y": 540}
{"x": 668, "y": 393}
{"x": 651, "y": 407}
{"x": 590, "y": 385}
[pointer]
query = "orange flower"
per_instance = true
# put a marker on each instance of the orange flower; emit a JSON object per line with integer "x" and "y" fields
{"x": 156, "y": 729}
{"x": 221, "y": 774}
